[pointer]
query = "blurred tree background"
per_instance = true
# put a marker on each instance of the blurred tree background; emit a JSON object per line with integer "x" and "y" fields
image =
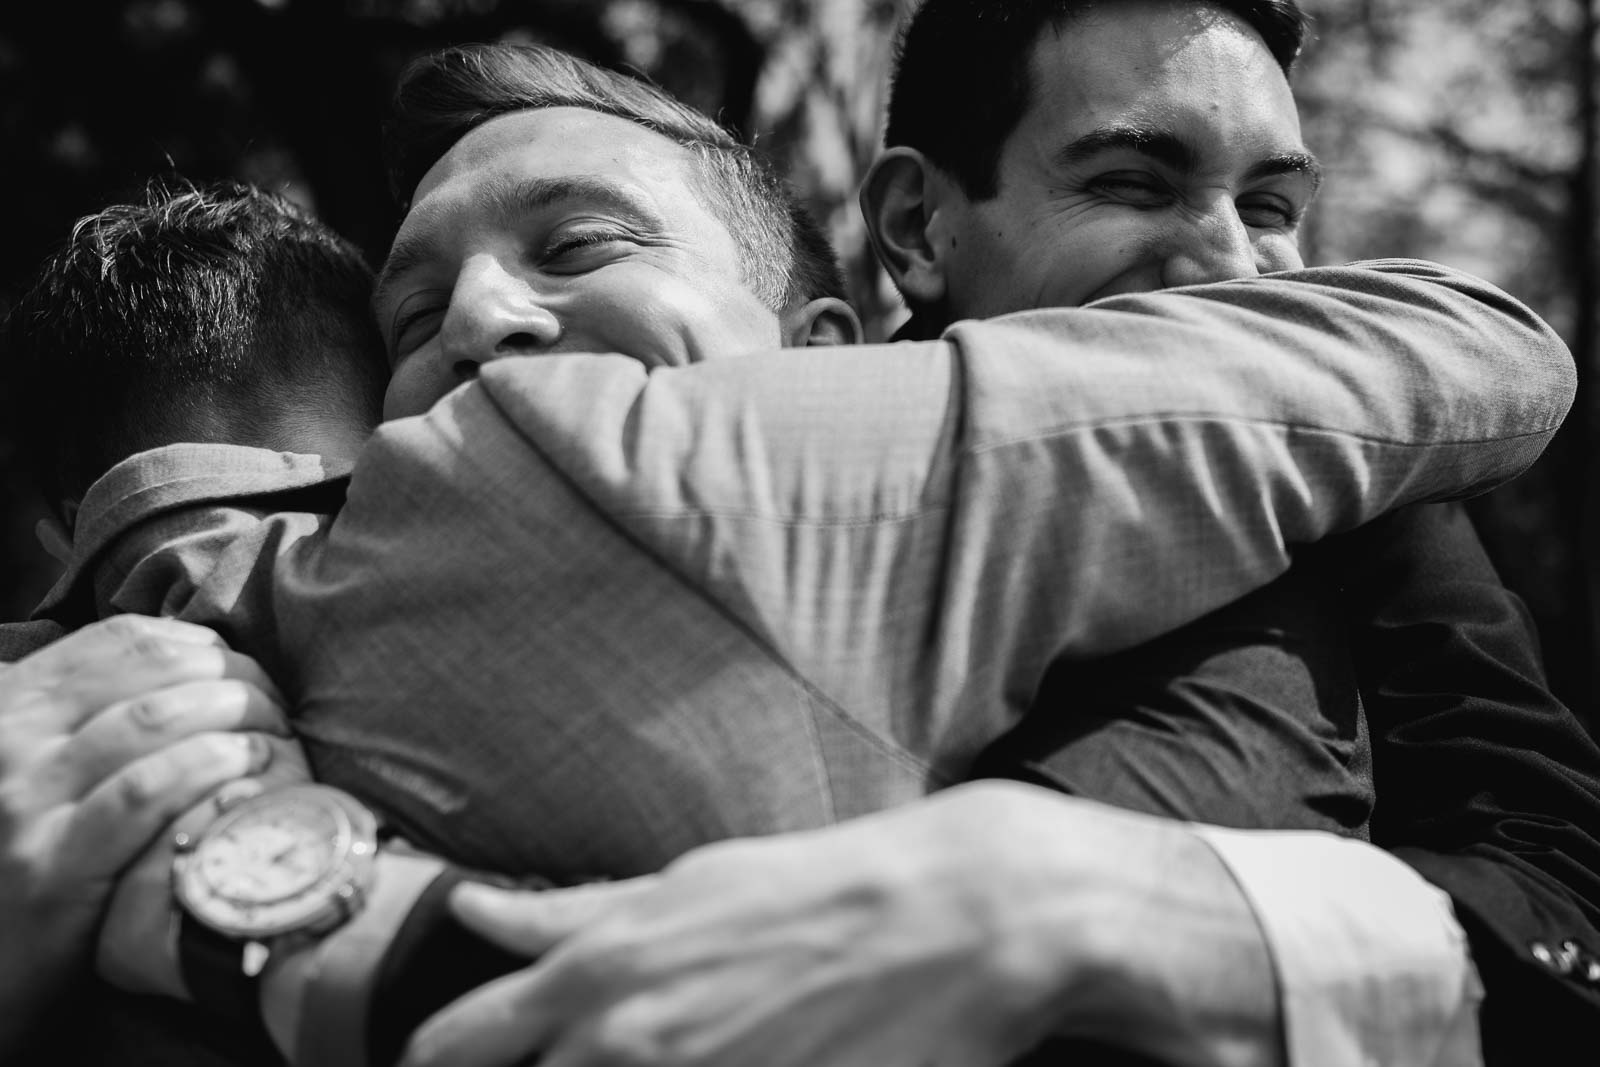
{"x": 1458, "y": 130}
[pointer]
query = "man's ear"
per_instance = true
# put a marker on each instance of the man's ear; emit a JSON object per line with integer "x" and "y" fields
{"x": 826, "y": 320}
{"x": 899, "y": 200}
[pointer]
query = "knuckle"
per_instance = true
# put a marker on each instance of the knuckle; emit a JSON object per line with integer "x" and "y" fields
{"x": 149, "y": 648}
{"x": 125, "y": 627}
{"x": 140, "y": 786}
{"x": 151, "y": 782}
{"x": 154, "y": 716}
{"x": 136, "y": 638}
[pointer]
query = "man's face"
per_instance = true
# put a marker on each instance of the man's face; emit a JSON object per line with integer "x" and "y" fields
{"x": 559, "y": 230}
{"x": 1161, "y": 147}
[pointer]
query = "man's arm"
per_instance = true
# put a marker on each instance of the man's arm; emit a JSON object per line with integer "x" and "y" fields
{"x": 1193, "y": 432}
{"x": 874, "y": 552}
{"x": 961, "y": 929}
{"x": 1486, "y": 784}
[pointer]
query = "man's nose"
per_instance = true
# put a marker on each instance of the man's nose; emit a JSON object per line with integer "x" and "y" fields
{"x": 494, "y": 311}
{"x": 1216, "y": 246}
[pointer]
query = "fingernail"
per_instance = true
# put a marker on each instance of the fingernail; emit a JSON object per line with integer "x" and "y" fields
{"x": 235, "y": 791}
{"x": 260, "y": 753}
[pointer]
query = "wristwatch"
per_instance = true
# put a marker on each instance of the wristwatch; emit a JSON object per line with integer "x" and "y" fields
{"x": 293, "y": 862}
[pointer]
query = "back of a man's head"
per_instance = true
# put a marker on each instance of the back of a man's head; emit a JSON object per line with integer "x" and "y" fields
{"x": 961, "y": 78}
{"x": 217, "y": 313}
{"x": 786, "y": 258}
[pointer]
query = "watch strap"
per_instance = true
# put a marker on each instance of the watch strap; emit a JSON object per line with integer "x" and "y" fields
{"x": 337, "y": 1002}
{"x": 212, "y": 965}
{"x": 431, "y": 961}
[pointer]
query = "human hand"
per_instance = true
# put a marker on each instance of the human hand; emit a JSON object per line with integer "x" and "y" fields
{"x": 105, "y": 737}
{"x": 138, "y": 945}
{"x": 961, "y": 929}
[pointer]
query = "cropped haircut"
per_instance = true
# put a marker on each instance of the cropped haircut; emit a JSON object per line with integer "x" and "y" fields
{"x": 161, "y": 317}
{"x": 784, "y": 255}
{"x": 962, "y": 81}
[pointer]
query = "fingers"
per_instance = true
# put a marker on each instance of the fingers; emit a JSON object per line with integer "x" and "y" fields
{"x": 137, "y": 946}
{"x": 132, "y": 729}
{"x": 121, "y": 815}
{"x": 499, "y": 1023}
{"x": 531, "y": 923}
{"x": 62, "y": 685}
{"x": 509, "y": 1019}
{"x": 114, "y": 636}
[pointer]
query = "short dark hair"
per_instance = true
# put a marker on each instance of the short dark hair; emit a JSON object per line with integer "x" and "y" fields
{"x": 784, "y": 254}
{"x": 961, "y": 79}
{"x": 161, "y": 316}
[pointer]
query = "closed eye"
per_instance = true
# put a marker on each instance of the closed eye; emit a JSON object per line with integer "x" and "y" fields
{"x": 1140, "y": 190}
{"x": 416, "y": 321}
{"x": 1269, "y": 212}
{"x": 580, "y": 249}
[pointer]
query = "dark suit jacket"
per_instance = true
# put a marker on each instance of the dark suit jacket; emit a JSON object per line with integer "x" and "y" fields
{"x": 1485, "y": 783}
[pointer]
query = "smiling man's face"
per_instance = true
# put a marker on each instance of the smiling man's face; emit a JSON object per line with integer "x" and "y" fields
{"x": 1160, "y": 147}
{"x": 560, "y": 230}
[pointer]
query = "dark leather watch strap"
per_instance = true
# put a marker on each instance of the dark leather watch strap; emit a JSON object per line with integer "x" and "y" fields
{"x": 431, "y": 960}
{"x": 212, "y": 965}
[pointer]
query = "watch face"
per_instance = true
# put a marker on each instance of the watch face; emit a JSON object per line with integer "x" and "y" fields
{"x": 274, "y": 863}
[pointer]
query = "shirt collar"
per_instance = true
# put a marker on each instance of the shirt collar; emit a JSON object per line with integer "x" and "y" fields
{"x": 175, "y": 476}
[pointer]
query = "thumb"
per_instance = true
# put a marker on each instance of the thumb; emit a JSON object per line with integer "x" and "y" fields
{"x": 530, "y": 922}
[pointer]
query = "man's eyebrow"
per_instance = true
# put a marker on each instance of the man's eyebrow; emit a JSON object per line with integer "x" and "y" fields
{"x": 527, "y": 195}
{"x": 512, "y": 200}
{"x": 1164, "y": 146}
{"x": 408, "y": 253}
{"x": 1288, "y": 163}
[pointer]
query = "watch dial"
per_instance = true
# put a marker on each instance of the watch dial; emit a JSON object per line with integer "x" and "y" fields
{"x": 268, "y": 867}
{"x": 274, "y": 854}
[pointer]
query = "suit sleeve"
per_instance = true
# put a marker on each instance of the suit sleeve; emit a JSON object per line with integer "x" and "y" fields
{"x": 927, "y": 526}
{"x": 1486, "y": 784}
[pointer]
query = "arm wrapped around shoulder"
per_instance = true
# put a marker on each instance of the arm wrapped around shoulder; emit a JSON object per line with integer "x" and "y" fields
{"x": 1204, "y": 431}
{"x": 762, "y": 593}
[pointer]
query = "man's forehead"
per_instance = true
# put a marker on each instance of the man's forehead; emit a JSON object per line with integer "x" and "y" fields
{"x": 525, "y": 162}
{"x": 1193, "y": 69}
{"x": 553, "y": 142}
{"x": 1175, "y": 25}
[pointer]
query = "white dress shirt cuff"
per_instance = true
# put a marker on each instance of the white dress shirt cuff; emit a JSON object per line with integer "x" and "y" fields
{"x": 1372, "y": 967}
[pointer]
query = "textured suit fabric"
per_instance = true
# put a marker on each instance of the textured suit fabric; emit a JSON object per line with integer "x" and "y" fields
{"x": 1249, "y": 717}
{"x": 242, "y": 543}
{"x": 772, "y": 592}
